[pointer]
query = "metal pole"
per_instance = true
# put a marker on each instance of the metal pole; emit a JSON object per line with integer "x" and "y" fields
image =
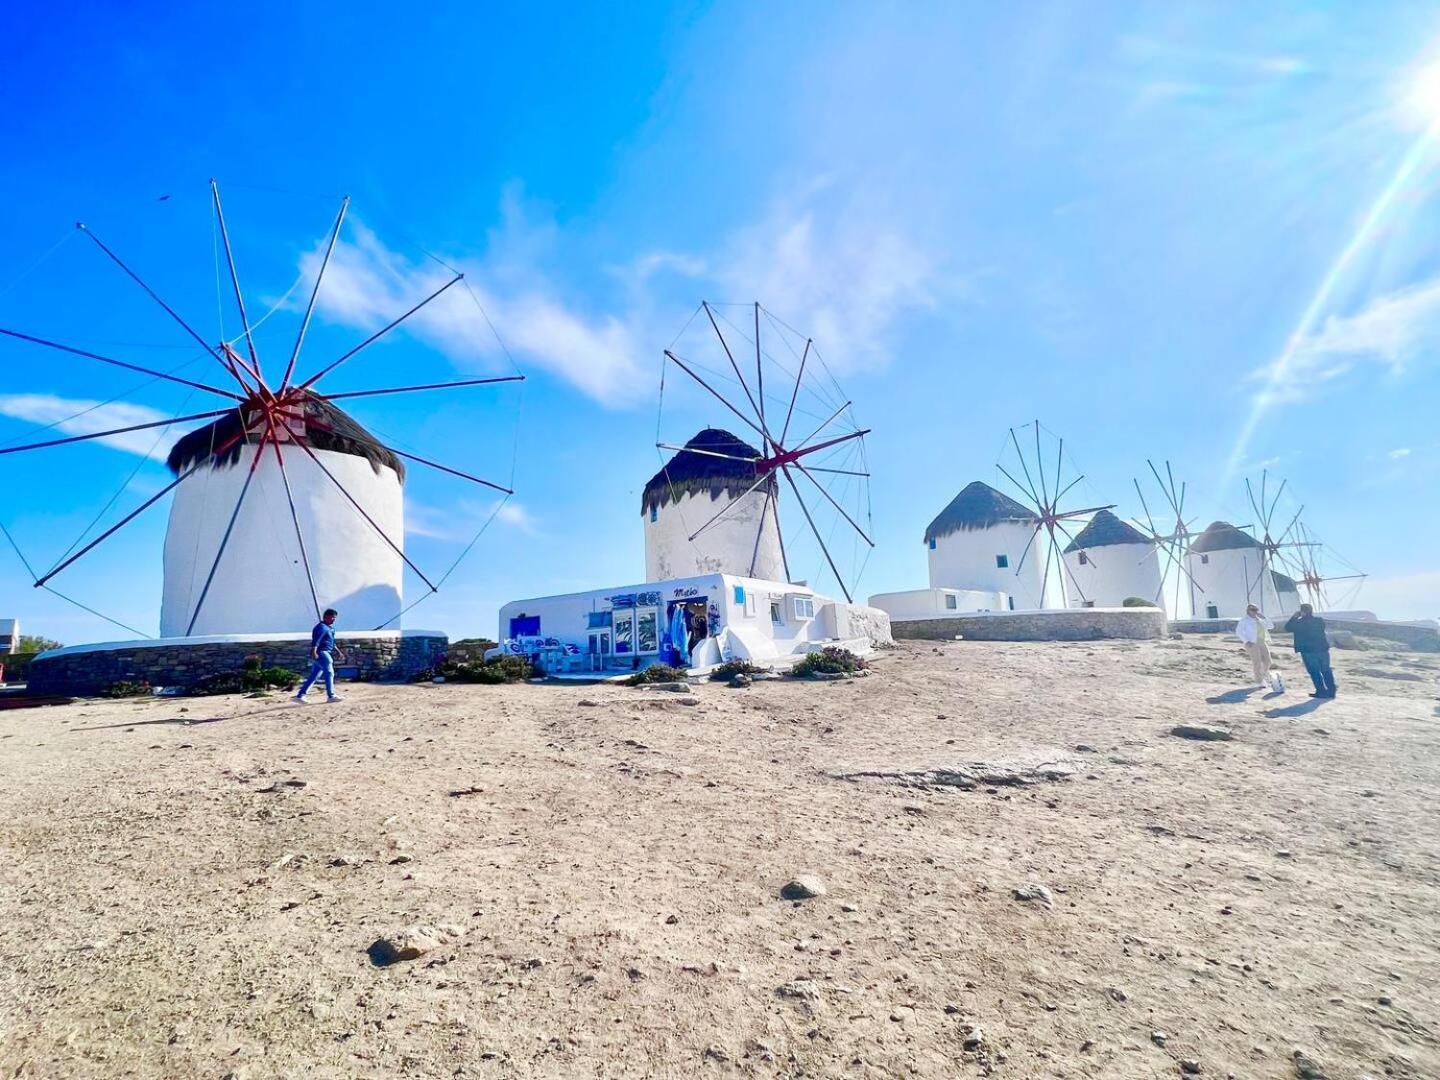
{"x": 122, "y": 364}
{"x": 796, "y": 392}
{"x": 314, "y": 293}
{"x": 254, "y": 367}
{"x": 841, "y": 581}
{"x": 425, "y": 386}
{"x": 295, "y": 518}
{"x": 377, "y": 335}
{"x": 229, "y": 528}
{"x": 115, "y": 431}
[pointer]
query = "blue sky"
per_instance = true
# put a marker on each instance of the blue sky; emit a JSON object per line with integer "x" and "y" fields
{"x": 1195, "y": 232}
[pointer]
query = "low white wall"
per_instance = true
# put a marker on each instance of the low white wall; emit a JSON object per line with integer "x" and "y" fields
{"x": 934, "y": 603}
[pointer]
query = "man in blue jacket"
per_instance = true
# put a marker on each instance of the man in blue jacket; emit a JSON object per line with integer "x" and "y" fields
{"x": 1314, "y": 648}
{"x": 322, "y": 656}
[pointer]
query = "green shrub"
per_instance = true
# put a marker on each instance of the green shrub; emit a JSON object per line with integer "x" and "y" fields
{"x": 731, "y": 668}
{"x": 831, "y": 660}
{"x": 128, "y": 688}
{"x": 501, "y": 669}
{"x": 252, "y": 677}
{"x": 1135, "y": 601}
{"x": 657, "y": 673}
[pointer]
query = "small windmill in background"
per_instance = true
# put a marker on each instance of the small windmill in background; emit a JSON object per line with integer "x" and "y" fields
{"x": 1175, "y": 544}
{"x": 1315, "y": 557}
{"x": 1042, "y": 494}
{"x": 1281, "y": 550}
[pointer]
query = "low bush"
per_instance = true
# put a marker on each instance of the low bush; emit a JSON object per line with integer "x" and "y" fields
{"x": 657, "y": 673}
{"x": 731, "y": 668}
{"x": 502, "y": 669}
{"x": 249, "y": 679}
{"x": 1135, "y": 601}
{"x": 831, "y": 660}
{"x": 128, "y": 688}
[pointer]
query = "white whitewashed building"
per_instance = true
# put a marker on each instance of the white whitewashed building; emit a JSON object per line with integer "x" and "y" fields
{"x": 1109, "y": 562}
{"x": 1228, "y": 568}
{"x": 259, "y": 584}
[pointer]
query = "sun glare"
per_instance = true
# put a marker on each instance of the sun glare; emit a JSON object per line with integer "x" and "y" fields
{"x": 1421, "y": 101}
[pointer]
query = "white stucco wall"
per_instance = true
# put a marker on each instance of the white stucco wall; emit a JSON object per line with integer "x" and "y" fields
{"x": 260, "y": 585}
{"x": 746, "y": 629}
{"x": 1230, "y": 580}
{"x": 966, "y": 560}
{"x": 727, "y": 547}
{"x": 932, "y": 603}
{"x": 1111, "y": 574}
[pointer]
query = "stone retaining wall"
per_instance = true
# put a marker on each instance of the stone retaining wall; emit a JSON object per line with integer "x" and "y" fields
{"x": 1075, "y": 624}
{"x": 174, "y": 662}
{"x": 1421, "y": 638}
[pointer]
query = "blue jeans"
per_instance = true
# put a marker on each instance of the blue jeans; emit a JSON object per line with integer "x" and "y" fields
{"x": 1318, "y": 665}
{"x": 323, "y": 665}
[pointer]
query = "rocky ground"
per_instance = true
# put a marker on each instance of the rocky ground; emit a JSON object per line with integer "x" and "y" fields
{"x": 1023, "y": 873}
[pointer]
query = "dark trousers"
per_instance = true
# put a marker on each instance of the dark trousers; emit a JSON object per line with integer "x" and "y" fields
{"x": 1318, "y": 665}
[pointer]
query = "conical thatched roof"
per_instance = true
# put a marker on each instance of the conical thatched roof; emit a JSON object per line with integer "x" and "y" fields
{"x": 978, "y": 506}
{"x": 1222, "y": 536}
{"x": 347, "y": 437}
{"x": 1105, "y": 530}
{"x": 689, "y": 474}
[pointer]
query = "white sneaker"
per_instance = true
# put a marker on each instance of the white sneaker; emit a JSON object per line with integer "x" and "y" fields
{"x": 333, "y": 698}
{"x": 298, "y": 699}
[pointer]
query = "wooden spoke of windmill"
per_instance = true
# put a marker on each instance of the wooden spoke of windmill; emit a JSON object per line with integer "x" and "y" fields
{"x": 781, "y": 455}
{"x": 1043, "y": 493}
{"x": 1175, "y": 542}
{"x": 267, "y": 416}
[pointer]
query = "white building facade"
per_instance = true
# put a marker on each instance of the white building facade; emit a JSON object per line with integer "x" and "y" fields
{"x": 1110, "y": 562}
{"x": 1229, "y": 573}
{"x": 977, "y": 542}
{"x": 703, "y": 513}
{"x": 259, "y": 583}
{"x": 726, "y": 617}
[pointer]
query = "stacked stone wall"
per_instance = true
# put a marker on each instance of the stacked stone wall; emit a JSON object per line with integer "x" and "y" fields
{"x": 80, "y": 674}
{"x": 1420, "y": 638}
{"x": 1075, "y": 624}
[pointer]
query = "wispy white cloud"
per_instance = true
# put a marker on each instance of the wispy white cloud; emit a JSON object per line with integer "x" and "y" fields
{"x": 458, "y": 522}
{"x": 844, "y": 272}
{"x": 1388, "y": 334}
{"x": 1405, "y": 596}
{"x": 1400, "y": 453}
{"x": 77, "y": 416}
{"x": 367, "y": 284}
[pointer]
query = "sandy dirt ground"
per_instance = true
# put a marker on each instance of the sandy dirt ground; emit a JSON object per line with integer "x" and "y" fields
{"x": 191, "y": 888}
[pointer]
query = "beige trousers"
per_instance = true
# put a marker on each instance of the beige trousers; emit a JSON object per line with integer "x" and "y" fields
{"x": 1259, "y": 660}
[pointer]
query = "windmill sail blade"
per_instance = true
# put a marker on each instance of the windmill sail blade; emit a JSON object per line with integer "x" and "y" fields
{"x": 314, "y": 294}
{"x": 818, "y": 538}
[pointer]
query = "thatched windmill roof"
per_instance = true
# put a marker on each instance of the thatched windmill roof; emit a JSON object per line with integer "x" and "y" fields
{"x": 1105, "y": 530}
{"x": 689, "y": 474}
{"x": 347, "y": 437}
{"x": 1222, "y": 536}
{"x": 978, "y": 506}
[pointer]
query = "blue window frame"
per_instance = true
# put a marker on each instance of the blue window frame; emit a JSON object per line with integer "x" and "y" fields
{"x": 740, "y": 594}
{"x": 932, "y": 543}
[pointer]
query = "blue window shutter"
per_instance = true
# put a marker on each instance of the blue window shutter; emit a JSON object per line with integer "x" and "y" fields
{"x": 739, "y": 594}
{"x": 932, "y": 543}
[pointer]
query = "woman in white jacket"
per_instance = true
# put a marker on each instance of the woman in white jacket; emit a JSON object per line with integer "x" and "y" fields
{"x": 1253, "y": 630}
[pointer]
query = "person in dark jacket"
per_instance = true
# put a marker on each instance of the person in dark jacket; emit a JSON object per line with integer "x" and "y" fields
{"x": 1314, "y": 649}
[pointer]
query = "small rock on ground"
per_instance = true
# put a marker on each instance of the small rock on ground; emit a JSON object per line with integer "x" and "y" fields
{"x": 803, "y": 888}
{"x": 1202, "y": 733}
{"x": 1032, "y": 892}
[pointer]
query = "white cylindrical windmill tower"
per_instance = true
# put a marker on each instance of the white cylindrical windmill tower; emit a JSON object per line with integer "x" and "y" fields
{"x": 236, "y": 565}
{"x": 709, "y": 512}
{"x": 1228, "y": 568}
{"x": 1109, "y": 562}
{"x": 977, "y": 542}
